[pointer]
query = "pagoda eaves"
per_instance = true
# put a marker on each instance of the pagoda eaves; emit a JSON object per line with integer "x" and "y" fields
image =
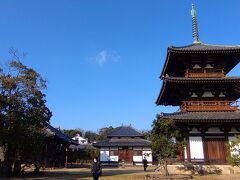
{"x": 207, "y": 117}
{"x": 181, "y": 58}
{"x": 177, "y": 89}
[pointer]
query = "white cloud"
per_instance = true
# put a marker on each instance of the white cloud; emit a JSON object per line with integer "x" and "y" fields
{"x": 105, "y": 56}
{"x": 102, "y": 57}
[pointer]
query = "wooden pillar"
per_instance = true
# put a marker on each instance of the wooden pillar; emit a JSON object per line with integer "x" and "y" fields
{"x": 180, "y": 156}
{"x": 188, "y": 149}
{"x": 205, "y": 154}
{"x": 185, "y": 130}
{"x": 109, "y": 160}
{"x": 226, "y": 129}
{"x": 203, "y": 130}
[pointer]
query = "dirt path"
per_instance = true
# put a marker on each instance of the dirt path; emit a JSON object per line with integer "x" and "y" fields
{"x": 128, "y": 173}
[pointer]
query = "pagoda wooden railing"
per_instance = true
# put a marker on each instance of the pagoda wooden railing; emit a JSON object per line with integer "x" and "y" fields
{"x": 209, "y": 106}
{"x": 199, "y": 73}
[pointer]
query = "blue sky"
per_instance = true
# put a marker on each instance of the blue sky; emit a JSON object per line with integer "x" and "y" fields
{"x": 102, "y": 59}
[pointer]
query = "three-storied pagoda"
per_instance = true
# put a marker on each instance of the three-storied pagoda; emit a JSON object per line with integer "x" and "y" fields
{"x": 194, "y": 78}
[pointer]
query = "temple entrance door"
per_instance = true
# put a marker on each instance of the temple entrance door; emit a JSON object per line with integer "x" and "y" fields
{"x": 215, "y": 151}
{"x": 126, "y": 155}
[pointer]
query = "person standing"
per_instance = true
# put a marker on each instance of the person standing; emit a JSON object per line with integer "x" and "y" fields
{"x": 145, "y": 162}
{"x": 96, "y": 169}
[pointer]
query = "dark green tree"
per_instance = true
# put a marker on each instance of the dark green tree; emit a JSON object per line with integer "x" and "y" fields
{"x": 104, "y": 132}
{"x": 146, "y": 134}
{"x": 23, "y": 114}
{"x": 91, "y": 136}
{"x": 72, "y": 132}
{"x": 233, "y": 155}
{"x": 163, "y": 141}
{"x": 83, "y": 155}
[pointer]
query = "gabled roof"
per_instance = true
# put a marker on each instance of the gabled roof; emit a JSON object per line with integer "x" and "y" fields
{"x": 57, "y": 134}
{"x": 179, "y": 58}
{"x": 125, "y": 131}
{"x": 124, "y": 136}
{"x": 115, "y": 142}
{"x": 192, "y": 117}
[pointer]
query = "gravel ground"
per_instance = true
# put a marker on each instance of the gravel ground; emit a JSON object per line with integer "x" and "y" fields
{"x": 127, "y": 173}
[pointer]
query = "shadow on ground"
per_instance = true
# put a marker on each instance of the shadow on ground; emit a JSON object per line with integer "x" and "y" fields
{"x": 83, "y": 174}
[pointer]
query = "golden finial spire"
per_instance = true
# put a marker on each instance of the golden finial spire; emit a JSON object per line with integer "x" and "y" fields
{"x": 194, "y": 26}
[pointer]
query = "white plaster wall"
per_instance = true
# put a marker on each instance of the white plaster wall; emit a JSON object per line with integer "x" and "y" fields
{"x": 80, "y": 139}
{"x": 104, "y": 155}
{"x": 196, "y": 148}
{"x": 113, "y": 158}
{"x": 148, "y": 155}
{"x": 137, "y": 158}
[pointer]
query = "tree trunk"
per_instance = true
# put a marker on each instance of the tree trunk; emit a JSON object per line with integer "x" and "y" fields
{"x": 37, "y": 168}
{"x": 6, "y": 169}
{"x": 17, "y": 168}
{"x": 17, "y": 163}
{"x": 165, "y": 167}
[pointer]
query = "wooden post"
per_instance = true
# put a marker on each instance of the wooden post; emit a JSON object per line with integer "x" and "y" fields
{"x": 66, "y": 158}
{"x": 188, "y": 149}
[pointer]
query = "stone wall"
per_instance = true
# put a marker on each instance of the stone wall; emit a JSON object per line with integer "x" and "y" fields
{"x": 194, "y": 169}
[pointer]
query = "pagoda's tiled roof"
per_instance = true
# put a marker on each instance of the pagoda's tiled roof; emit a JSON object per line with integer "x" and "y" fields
{"x": 204, "y": 116}
{"x": 179, "y": 58}
{"x": 57, "y": 134}
{"x": 174, "y": 89}
{"x": 125, "y": 131}
{"x": 208, "y": 48}
{"x": 204, "y": 80}
{"x": 114, "y": 142}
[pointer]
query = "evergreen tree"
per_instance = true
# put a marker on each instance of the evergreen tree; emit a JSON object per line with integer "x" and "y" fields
{"x": 72, "y": 132}
{"x": 104, "y": 132}
{"x": 23, "y": 115}
{"x": 233, "y": 155}
{"x": 163, "y": 140}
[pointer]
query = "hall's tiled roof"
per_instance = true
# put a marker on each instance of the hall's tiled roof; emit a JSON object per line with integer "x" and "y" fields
{"x": 124, "y": 136}
{"x": 114, "y": 142}
{"x": 204, "y": 116}
{"x": 125, "y": 131}
{"x": 59, "y": 135}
